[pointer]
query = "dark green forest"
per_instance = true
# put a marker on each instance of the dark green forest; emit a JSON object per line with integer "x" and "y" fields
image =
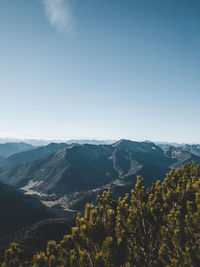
{"x": 154, "y": 226}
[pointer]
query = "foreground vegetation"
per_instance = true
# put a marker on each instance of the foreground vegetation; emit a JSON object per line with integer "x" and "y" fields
{"x": 157, "y": 226}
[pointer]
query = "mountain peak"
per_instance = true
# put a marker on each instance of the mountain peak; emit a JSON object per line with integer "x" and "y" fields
{"x": 123, "y": 142}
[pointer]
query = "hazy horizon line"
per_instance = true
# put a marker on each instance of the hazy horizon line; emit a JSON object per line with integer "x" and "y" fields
{"x": 61, "y": 139}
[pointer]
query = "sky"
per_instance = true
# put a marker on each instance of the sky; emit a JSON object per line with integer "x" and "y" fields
{"x": 103, "y": 69}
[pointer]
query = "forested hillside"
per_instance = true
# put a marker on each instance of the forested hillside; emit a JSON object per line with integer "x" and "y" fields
{"x": 18, "y": 210}
{"x": 155, "y": 226}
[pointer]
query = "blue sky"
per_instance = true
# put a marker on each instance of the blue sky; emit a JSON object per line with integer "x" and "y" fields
{"x": 105, "y": 69}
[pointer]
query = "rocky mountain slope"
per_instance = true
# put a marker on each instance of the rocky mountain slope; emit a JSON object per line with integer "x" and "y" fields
{"x": 194, "y": 149}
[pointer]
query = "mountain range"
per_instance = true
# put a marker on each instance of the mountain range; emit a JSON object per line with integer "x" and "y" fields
{"x": 43, "y": 188}
{"x": 44, "y": 142}
{"x": 68, "y": 176}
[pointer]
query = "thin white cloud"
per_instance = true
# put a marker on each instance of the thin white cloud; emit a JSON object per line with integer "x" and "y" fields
{"x": 59, "y": 14}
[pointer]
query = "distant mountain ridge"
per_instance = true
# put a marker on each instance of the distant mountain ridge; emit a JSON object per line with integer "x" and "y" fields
{"x": 194, "y": 149}
{"x": 72, "y": 176}
{"x": 43, "y": 142}
{"x": 30, "y": 155}
{"x": 9, "y": 149}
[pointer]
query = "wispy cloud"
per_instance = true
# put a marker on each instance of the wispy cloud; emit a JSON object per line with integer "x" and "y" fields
{"x": 59, "y": 14}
